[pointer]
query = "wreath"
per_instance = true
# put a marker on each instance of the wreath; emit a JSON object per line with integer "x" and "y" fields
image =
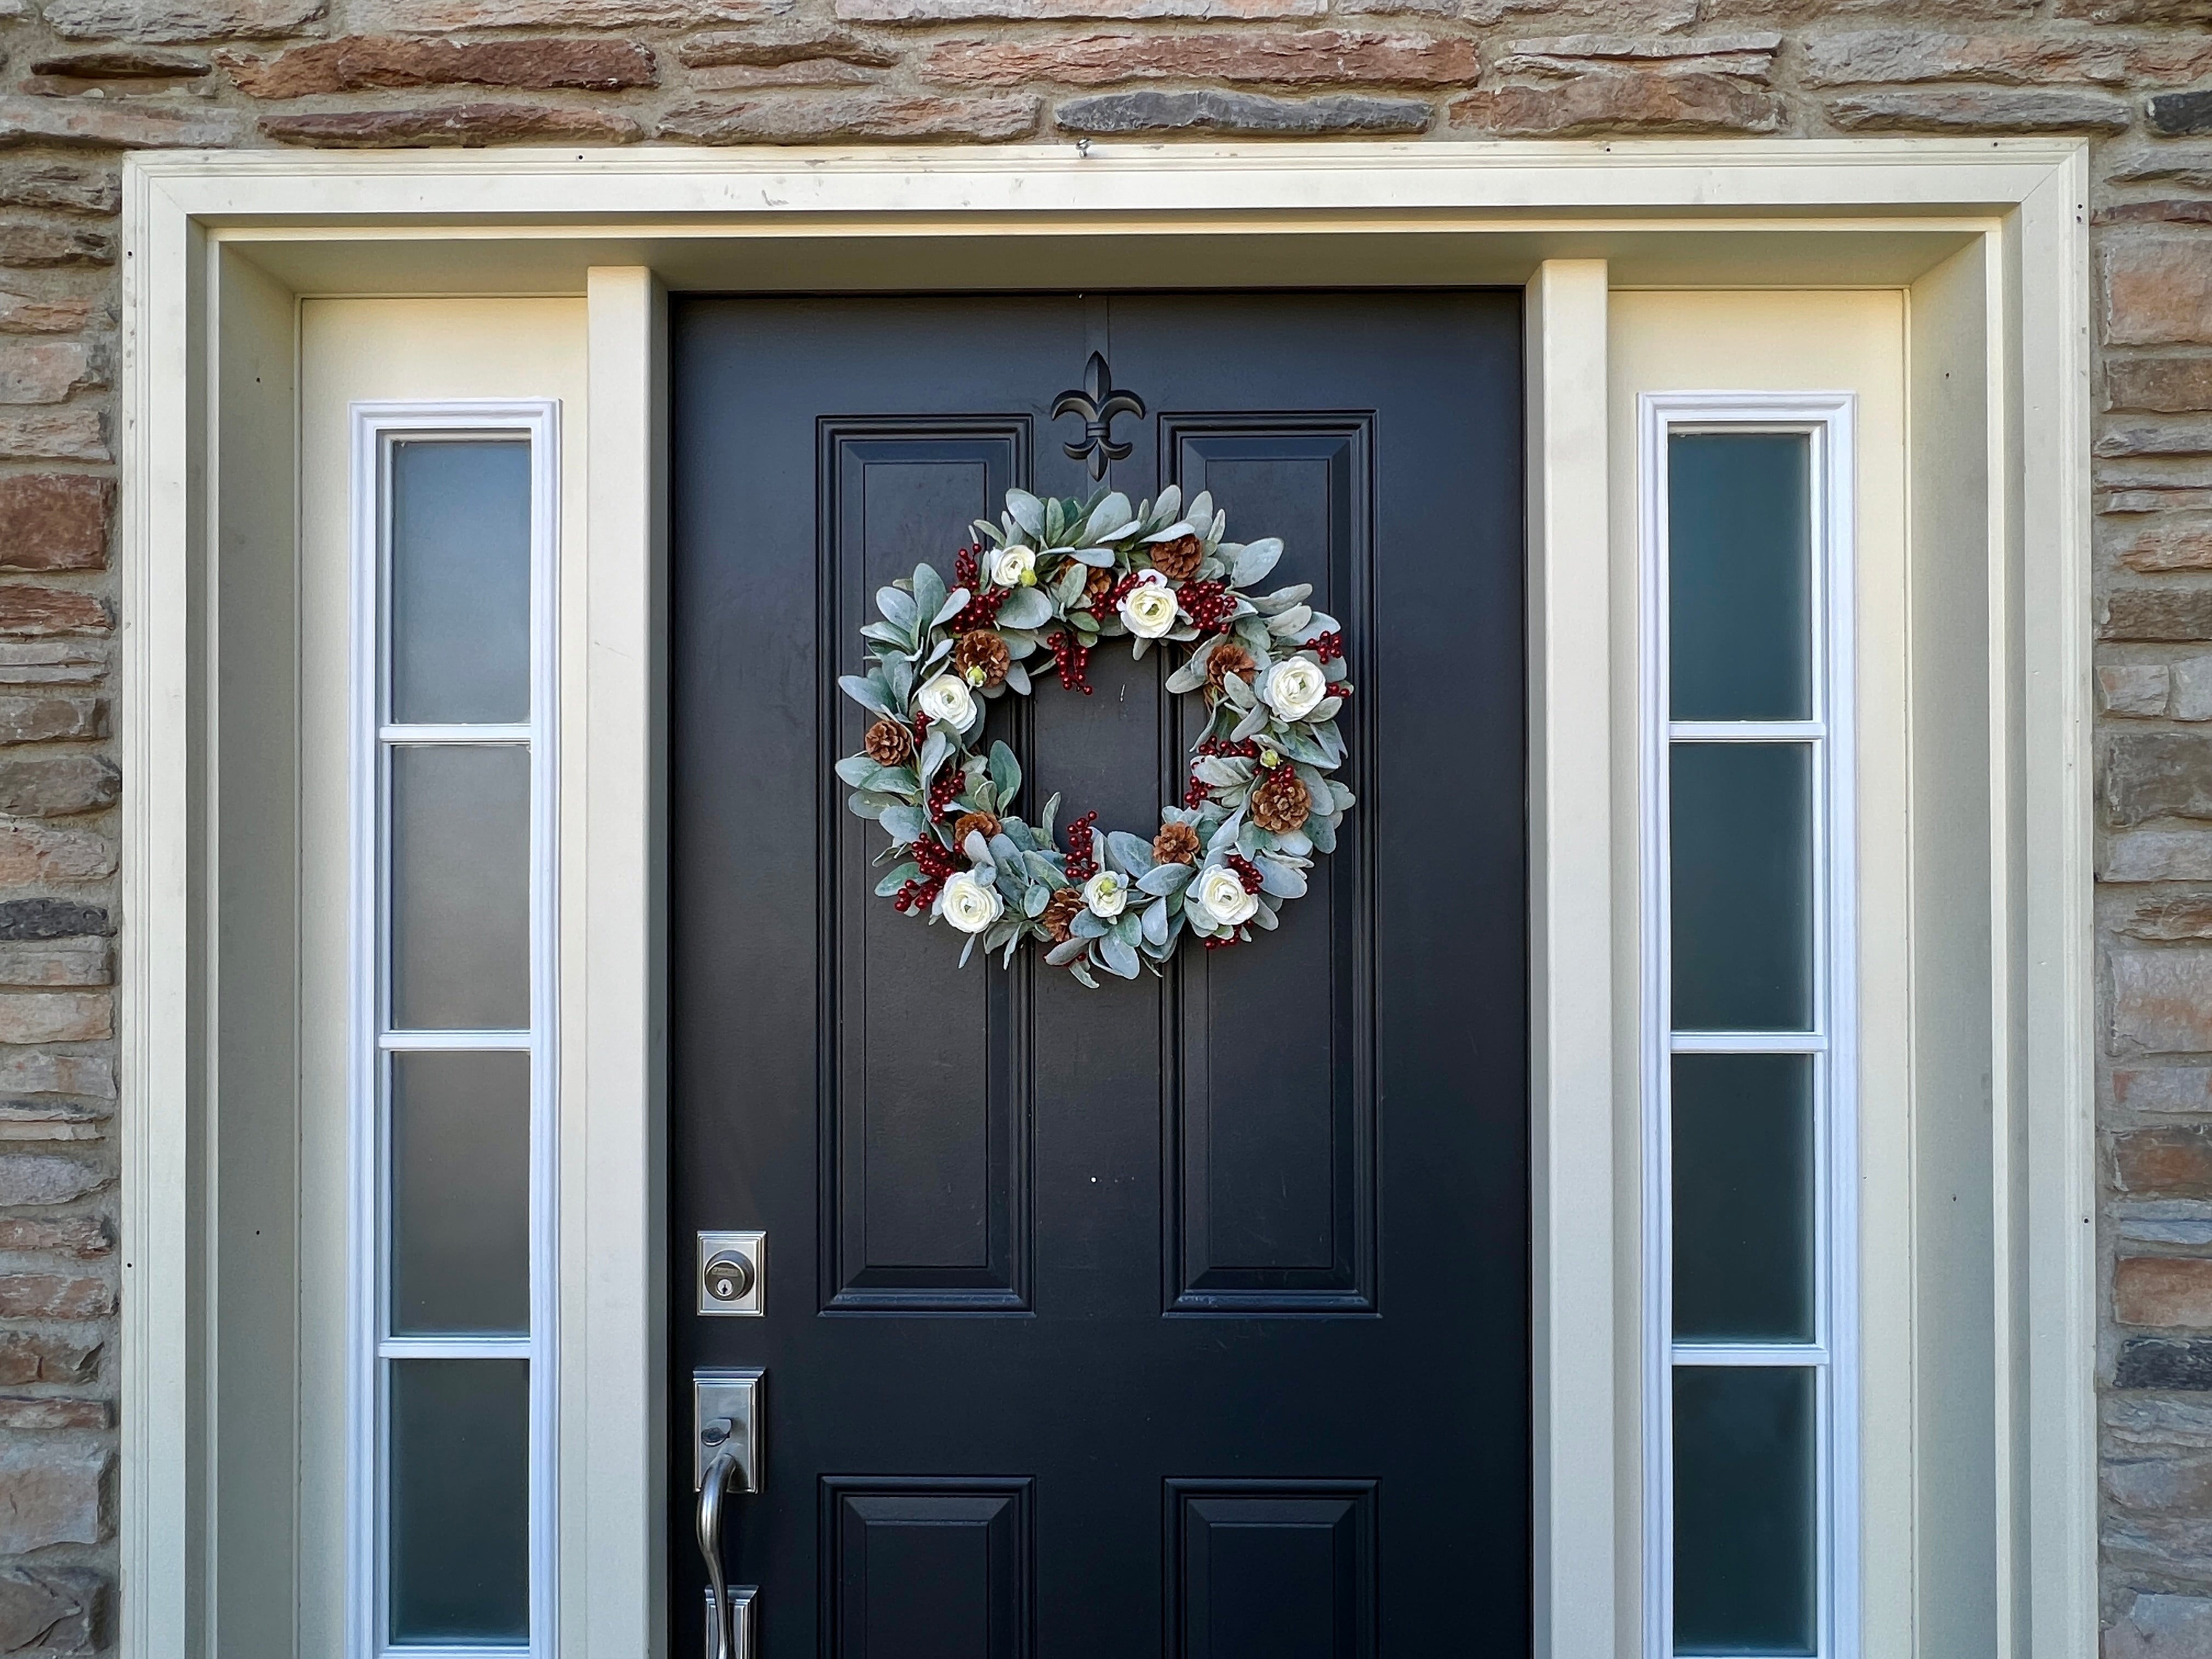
{"x": 1055, "y": 577}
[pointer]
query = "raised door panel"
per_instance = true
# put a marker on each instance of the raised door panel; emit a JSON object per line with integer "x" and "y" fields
{"x": 1278, "y": 1569}
{"x": 925, "y": 1569}
{"x": 925, "y": 1114}
{"x": 1270, "y": 1119}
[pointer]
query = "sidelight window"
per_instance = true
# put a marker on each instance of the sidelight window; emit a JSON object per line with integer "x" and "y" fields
{"x": 1748, "y": 1084}
{"x": 452, "y": 1376}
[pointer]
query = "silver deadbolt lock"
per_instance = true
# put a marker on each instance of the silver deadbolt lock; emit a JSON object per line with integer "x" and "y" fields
{"x": 730, "y": 1269}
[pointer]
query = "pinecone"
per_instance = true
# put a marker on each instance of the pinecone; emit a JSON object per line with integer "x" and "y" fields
{"x": 981, "y": 658}
{"x": 1280, "y": 800}
{"x": 1228, "y": 659}
{"x": 1176, "y": 843}
{"x": 983, "y": 824}
{"x": 1060, "y": 909}
{"x": 889, "y": 744}
{"x": 1178, "y": 560}
{"x": 1096, "y": 586}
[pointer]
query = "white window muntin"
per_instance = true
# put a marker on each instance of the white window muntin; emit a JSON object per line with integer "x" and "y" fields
{"x": 1829, "y": 1041}
{"x": 377, "y": 426}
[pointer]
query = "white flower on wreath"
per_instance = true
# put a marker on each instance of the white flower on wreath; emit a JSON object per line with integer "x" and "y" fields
{"x": 1014, "y": 567}
{"x": 1148, "y": 610}
{"x": 1294, "y": 688}
{"x": 968, "y": 902}
{"x": 1106, "y": 893}
{"x": 1222, "y": 895}
{"x": 948, "y": 701}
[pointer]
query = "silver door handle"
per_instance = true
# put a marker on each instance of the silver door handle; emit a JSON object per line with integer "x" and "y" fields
{"x": 725, "y": 1461}
{"x": 729, "y": 1625}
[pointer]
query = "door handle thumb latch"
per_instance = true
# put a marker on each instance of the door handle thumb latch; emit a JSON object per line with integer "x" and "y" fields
{"x": 725, "y": 1463}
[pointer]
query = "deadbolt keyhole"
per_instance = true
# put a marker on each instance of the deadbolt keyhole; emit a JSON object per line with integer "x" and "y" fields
{"x": 729, "y": 1276}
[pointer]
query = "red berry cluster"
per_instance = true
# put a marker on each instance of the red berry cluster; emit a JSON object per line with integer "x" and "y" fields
{"x": 941, "y": 788}
{"x": 981, "y": 610}
{"x": 1198, "y": 794}
{"x": 1072, "y": 659}
{"x": 937, "y": 863}
{"x": 1328, "y": 648}
{"x": 1245, "y": 749}
{"x": 1119, "y": 592}
{"x": 1208, "y": 604}
{"x": 1082, "y": 842}
{"x": 968, "y": 568}
{"x": 1247, "y": 871}
{"x": 1221, "y": 941}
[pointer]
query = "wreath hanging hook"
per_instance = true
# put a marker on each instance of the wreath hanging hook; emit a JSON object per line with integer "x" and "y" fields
{"x": 1098, "y": 401}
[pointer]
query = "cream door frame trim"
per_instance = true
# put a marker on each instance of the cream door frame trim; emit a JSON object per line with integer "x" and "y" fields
{"x": 208, "y": 400}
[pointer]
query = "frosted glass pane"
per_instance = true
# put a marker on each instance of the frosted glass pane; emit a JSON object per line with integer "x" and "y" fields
{"x": 1743, "y": 1198}
{"x": 460, "y": 580}
{"x": 461, "y": 1500}
{"x": 1742, "y": 886}
{"x": 460, "y": 888}
{"x": 460, "y": 1194}
{"x": 1739, "y": 558}
{"x": 1745, "y": 1487}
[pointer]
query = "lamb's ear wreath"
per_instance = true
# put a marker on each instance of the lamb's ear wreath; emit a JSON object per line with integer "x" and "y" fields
{"x": 1056, "y": 577}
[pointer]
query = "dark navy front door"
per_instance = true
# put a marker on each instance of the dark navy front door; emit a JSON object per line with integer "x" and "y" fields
{"x": 1183, "y": 1317}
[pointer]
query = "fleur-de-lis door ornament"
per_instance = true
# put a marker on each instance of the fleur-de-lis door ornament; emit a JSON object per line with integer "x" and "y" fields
{"x": 1098, "y": 403}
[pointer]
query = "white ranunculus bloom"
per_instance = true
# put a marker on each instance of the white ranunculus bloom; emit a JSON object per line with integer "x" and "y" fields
{"x": 1225, "y": 898}
{"x": 1014, "y": 567}
{"x": 1149, "y": 609}
{"x": 948, "y": 701}
{"x": 1294, "y": 687}
{"x": 1106, "y": 893}
{"x": 969, "y": 904}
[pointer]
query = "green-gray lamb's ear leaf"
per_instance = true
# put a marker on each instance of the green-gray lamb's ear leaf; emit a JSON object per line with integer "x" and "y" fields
{"x": 1087, "y": 924}
{"x": 1069, "y": 583}
{"x": 987, "y": 797}
{"x": 1167, "y": 505}
{"x": 1045, "y": 820}
{"x": 1165, "y": 878}
{"x": 892, "y": 781}
{"x": 1027, "y": 511}
{"x": 1066, "y": 951}
{"x": 967, "y": 949}
{"x": 955, "y": 603}
{"x": 977, "y": 849}
{"x": 1283, "y": 880}
{"x": 1322, "y": 833}
{"x": 1033, "y": 901}
{"x": 904, "y": 823}
{"x": 1294, "y": 842}
{"x": 1200, "y": 511}
{"x": 1134, "y": 856}
{"x": 1006, "y": 773}
{"x": 1017, "y": 679}
{"x": 1189, "y": 676}
{"x": 928, "y": 591}
{"x": 1043, "y": 870}
{"x": 1254, "y": 560}
{"x": 1082, "y": 974}
{"x": 897, "y": 877}
{"x": 898, "y": 674}
{"x": 1117, "y": 957}
{"x": 934, "y": 748}
{"x": 898, "y": 608}
{"x": 856, "y": 770}
{"x": 1025, "y": 607}
{"x": 866, "y": 805}
{"x": 870, "y": 693}
{"x": 1264, "y": 918}
{"x": 1155, "y": 922}
{"x": 1112, "y": 514}
{"x": 1254, "y": 718}
{"x": 1008, "y": 857}
{"x": 1344, "y": 799}
{"x": 1102, "y": 557}
{"x": 883, "y": 633}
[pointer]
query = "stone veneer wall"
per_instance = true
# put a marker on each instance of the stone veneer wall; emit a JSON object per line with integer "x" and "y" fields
{"x": 84, "y": 80}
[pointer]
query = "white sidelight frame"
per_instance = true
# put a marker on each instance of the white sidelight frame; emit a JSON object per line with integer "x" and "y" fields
{"x": 1988, "y": 238}
{"x": 375, "y": 427}
{"x": 1826, "y": 420}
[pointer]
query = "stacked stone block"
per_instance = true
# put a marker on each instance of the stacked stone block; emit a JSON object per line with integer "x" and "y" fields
{"x": 82, "y": 80}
